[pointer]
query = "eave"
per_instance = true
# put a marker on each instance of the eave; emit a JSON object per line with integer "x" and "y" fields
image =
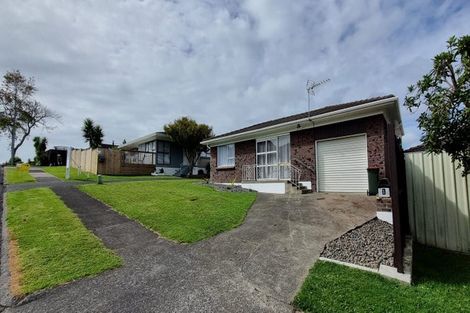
{"x": 389, "y": 108}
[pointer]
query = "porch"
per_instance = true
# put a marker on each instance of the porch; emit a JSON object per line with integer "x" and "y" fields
{"x": 280, "y": 178}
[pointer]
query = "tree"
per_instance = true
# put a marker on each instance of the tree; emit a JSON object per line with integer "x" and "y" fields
{"x": 40, "y": 146}
{"x": 92, "y": 133}
{"x": 445, "y": 93}
{"x": 19, "y": 112}
{"x": 188, "y": 134}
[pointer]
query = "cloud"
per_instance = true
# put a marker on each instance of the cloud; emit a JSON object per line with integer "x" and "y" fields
{"x": 133, "y": 66}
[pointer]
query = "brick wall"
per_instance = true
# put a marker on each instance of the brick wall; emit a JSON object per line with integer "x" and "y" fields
{"x": 245, "y": 153}
{"x": 303, "y": 143}
{"x": 302, "y": 148}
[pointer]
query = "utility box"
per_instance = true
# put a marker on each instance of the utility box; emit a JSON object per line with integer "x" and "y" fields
{"x": 384, "y": 189}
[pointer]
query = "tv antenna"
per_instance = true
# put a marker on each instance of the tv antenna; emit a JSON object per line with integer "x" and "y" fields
{"x": 311, "y": 85}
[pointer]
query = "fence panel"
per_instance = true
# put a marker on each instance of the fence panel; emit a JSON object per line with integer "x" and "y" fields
{"x": 85, "y": 159}
{"x": 438, "y": 201}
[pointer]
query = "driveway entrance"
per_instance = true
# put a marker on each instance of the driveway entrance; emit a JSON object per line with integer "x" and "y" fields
{"x": 257, "y": 267}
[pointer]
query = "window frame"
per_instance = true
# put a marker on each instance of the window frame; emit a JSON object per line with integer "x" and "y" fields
{"x": 163, "y": 153}
{"x": 226, "y": 164}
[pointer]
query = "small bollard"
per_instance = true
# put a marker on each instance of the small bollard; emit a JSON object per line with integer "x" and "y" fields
{"x": 100, "y": 180}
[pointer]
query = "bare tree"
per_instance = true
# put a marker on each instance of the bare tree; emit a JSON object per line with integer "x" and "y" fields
{"x": 19, "y": 112}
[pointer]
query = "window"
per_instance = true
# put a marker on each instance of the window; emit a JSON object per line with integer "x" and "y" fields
{"x": 163, "y": 152}
{"x": 273, "y": 158}
{"x": 226, "y": 155}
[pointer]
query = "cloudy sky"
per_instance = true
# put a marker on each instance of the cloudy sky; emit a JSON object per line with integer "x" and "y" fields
{"x": 133, "y": 66}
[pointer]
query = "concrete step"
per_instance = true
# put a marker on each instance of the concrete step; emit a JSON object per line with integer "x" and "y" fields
{"x": 298, "y": 189}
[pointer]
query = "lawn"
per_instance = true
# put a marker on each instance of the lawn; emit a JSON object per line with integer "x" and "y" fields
{"x": 441, "y": 284}
{"x": 15, "y": 176}
{"x": 49, "y": 245}
{"x": 181, "y": 210}
{"x": 59, "y": 172}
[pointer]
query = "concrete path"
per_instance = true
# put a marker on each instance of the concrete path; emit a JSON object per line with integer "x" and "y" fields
{"x": 43, "y": 179}
{"x": 257, "y": 267}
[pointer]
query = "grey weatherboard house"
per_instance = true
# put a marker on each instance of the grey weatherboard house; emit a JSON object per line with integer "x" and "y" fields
{"x": 158, "y": 148}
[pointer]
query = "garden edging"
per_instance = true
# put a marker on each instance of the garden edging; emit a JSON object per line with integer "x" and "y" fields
{"x": 383, "y": 270}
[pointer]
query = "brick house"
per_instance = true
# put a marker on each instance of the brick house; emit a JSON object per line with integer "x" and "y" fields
{"x": 325, "y": 150}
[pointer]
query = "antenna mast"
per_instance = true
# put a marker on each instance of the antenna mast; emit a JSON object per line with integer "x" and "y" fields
{"x": 311, "y": 85}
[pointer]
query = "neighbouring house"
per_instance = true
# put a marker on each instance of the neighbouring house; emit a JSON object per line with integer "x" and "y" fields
{"x": 159, "y": 149}
{"x": 56, "y": 156}
{"x": 325, "y": 150}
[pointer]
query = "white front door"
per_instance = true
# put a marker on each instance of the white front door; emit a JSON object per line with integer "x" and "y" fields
{"x": 342, "y": 164}
{"x": 273, "y": 158}
{"x": 266, "y": 157}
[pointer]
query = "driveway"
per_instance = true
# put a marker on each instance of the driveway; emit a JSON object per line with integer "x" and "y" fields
{"x": 257, "y": 267}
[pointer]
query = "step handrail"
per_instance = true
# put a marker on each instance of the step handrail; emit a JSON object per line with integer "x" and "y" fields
{"x": 304, "y": 165}
{"x": 295, "y": 174}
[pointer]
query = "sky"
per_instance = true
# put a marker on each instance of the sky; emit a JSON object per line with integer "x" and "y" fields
{"x": 133, "y": 66}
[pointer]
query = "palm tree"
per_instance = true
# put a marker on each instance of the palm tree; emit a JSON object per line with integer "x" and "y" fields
{"x": 93, "y": 134}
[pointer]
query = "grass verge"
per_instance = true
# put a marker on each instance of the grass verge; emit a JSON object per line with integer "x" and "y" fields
{"x": 59, "y": 172}
{"x": 49, "y": 244}
{"x": 441, "y": 284}
{"x": 15, "y": 176}
{"x": 179, "y": 210}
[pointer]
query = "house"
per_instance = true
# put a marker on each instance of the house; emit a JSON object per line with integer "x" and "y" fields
{"x": 56, "y": 156}
{"x": 325, "y": 150}
{"x": 160, "y": 150}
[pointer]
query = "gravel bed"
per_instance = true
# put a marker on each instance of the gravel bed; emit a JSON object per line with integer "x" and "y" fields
{"x": 229, "y": 188}
{"x": 370, "y": 244}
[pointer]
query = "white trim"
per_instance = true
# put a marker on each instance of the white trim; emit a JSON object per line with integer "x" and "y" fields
{"x": 385, "y": 216}
{"x": 263, "y": 187}
{"x": 317, "y": 180}
{"x": 307, "y": 184}
{"x": 145, "y": 139}
{"x": 383, "y": 270}
{"x": 352, "y": 265}
{"x": 378, "y": 107}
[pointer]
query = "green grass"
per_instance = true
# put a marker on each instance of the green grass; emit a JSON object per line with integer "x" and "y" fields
{"x": 14, "y": 176}
{"x": 54, "y": 247}
{"x": 180, "y": 210}
{"x": 441, "y": 284}
{"x": 59, "y": 172}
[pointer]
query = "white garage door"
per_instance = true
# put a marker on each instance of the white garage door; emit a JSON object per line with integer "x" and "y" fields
{"x": 342, "y": 164}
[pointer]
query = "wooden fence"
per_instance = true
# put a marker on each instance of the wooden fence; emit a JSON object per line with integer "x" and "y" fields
{"x": 438, "y": 201}
{"x": 85, "y": 159}
{"x": 113, "y": 162}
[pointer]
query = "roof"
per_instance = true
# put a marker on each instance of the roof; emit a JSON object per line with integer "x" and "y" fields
{"x": 305, "y": 115}
{"x": 417, "y": 148}
{"x": 150, "y": 137}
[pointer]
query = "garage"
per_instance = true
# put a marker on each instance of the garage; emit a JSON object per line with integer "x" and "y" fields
{"x": 342, "y": 164}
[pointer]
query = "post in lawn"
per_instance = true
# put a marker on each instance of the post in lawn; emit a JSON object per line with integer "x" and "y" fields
{"x": 67, "y": 164}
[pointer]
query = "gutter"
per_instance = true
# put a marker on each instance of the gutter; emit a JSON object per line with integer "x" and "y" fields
{"x": 307, "y": 119}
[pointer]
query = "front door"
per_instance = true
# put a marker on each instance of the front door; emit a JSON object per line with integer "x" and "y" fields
{"x": 266, "y": 156}
{"x": 273, "y": 158}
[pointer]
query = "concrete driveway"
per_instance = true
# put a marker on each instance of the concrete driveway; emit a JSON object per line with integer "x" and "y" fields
{"x": 257, "y": 267}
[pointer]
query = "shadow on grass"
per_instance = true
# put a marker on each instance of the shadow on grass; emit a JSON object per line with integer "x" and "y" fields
{"x": 433, "y": 265}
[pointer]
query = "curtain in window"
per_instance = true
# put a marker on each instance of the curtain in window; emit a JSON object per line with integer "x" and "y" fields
{"x": 284, "y": 157}
{"x": 226, "y": 155}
